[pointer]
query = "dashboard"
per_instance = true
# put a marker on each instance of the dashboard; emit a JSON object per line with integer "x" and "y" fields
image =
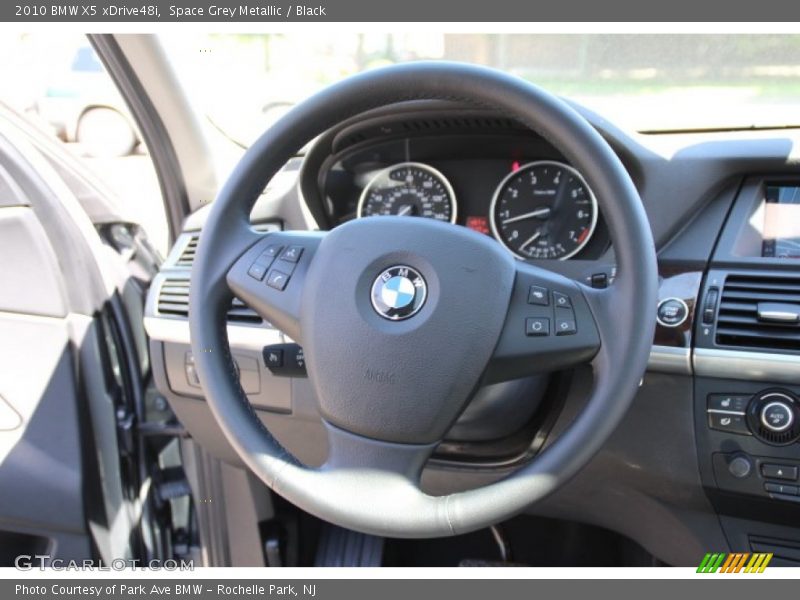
{"x": 718, "y": 412}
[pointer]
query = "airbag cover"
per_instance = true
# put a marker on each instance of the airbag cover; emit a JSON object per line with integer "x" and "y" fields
{"x": 402, "y": 380}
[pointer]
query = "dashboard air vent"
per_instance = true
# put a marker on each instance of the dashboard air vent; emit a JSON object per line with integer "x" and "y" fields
{"x": 186, "y": 259}
{"x": 187, "y": 256}
{"x": 173, "y": 300}
{"x": 760, "y": 311}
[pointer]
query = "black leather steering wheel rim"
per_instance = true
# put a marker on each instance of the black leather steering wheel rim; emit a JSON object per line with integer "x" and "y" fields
{"x": 372, "y": 485}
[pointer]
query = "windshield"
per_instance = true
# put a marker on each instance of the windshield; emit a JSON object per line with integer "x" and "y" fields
{"x": 647, "y": 83}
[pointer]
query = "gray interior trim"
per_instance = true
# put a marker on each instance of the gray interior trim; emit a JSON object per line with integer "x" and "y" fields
{"x": 739, "y": 364}
{"x": 23, "y": 238}
{"x": 177, "y": 250}
{"x": 69, "y": 231}
{"x": 10, "y": 194}
{"x": 667, "y": 359}
{"x": 240, "y": 336}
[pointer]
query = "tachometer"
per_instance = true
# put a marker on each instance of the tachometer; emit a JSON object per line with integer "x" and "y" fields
{"x": 409, "y": 189}
{"x": 544, "y": 209}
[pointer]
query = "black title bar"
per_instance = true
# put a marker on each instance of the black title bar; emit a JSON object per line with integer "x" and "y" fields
{"x": 439, "y": 11}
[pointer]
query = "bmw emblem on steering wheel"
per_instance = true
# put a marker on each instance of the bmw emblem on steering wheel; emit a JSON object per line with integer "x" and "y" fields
{"x": 398, "y": 293}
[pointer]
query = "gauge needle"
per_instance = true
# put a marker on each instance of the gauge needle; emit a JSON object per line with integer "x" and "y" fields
{"x": 530, "y": 240}
{"x": 539, "y": 212}
{"x": 404, "y": 211}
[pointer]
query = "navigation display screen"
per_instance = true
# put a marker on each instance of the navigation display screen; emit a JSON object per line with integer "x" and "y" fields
{"x": 781, "y": 222}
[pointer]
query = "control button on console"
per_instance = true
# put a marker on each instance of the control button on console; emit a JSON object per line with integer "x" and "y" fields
{"x": 257, "y": 270}
{"x": 672, "y": 312}
{"x": 191, "y": 375}
{"x": 710, "y": 306}
{"x": 537, "y": 326}
{"x": 262, "y": 264}
{"x": 740, "y": 467}
{"x": 561, "y": 300}
{"x": 538, "y": 295}
{"x": 773, "y": 417}
{"x": 191, "y": 371}
{"x": 565, "y": 325}
{"x": 779, "y": 472}
{"x": 780, "y": 488}
{"x": 599, "y": 281}
{"x": 730, "y": 422}
{"x": 271, "y": 251}
{"x": 731, "y": 402}
{"x": 273, "y": 357}
{"x": 284, "y": 266}
{"x": 285, "y": 360}
{"x": 299, "y": 358}
{"x": 777, "y": 416}
{"x": 277, "y": 280}
{"x": 292, "y": 253}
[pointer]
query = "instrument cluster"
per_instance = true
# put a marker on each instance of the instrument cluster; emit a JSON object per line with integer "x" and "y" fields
{"x": 536, "y": 205}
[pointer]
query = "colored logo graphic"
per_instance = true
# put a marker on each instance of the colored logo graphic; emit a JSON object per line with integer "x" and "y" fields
{"x": 741, "y": 562}
{"x": 398, "y": 293}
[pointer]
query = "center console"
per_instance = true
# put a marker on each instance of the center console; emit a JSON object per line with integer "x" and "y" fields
{"x": 747, "y": 365}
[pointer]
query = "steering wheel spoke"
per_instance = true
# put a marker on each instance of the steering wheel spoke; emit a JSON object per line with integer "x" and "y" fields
{"x": 269, "y": 277}
{"x": 362, "y": 473}
{"x": 549, "y": 325}
{"x": 349, "y": 451}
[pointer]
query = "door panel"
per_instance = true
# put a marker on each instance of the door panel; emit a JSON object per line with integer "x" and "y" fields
{"x": 40, "y": 449}
{"x": 59, "y": 461}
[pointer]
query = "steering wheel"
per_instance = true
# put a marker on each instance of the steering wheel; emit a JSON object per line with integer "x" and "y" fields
{"x": 402, "y": 318}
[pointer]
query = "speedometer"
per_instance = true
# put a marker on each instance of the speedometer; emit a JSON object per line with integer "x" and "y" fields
{"x": 543, "y": 209}
{"x": 409, "y": 189}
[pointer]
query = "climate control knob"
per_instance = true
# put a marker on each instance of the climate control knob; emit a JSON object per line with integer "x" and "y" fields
{"x": 777, "y": 416}
{"x": 774, "y": 417}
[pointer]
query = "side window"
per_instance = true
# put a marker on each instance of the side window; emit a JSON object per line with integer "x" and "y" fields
{"x": 86, "y": 61}
{"x": 63, "y": 92}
